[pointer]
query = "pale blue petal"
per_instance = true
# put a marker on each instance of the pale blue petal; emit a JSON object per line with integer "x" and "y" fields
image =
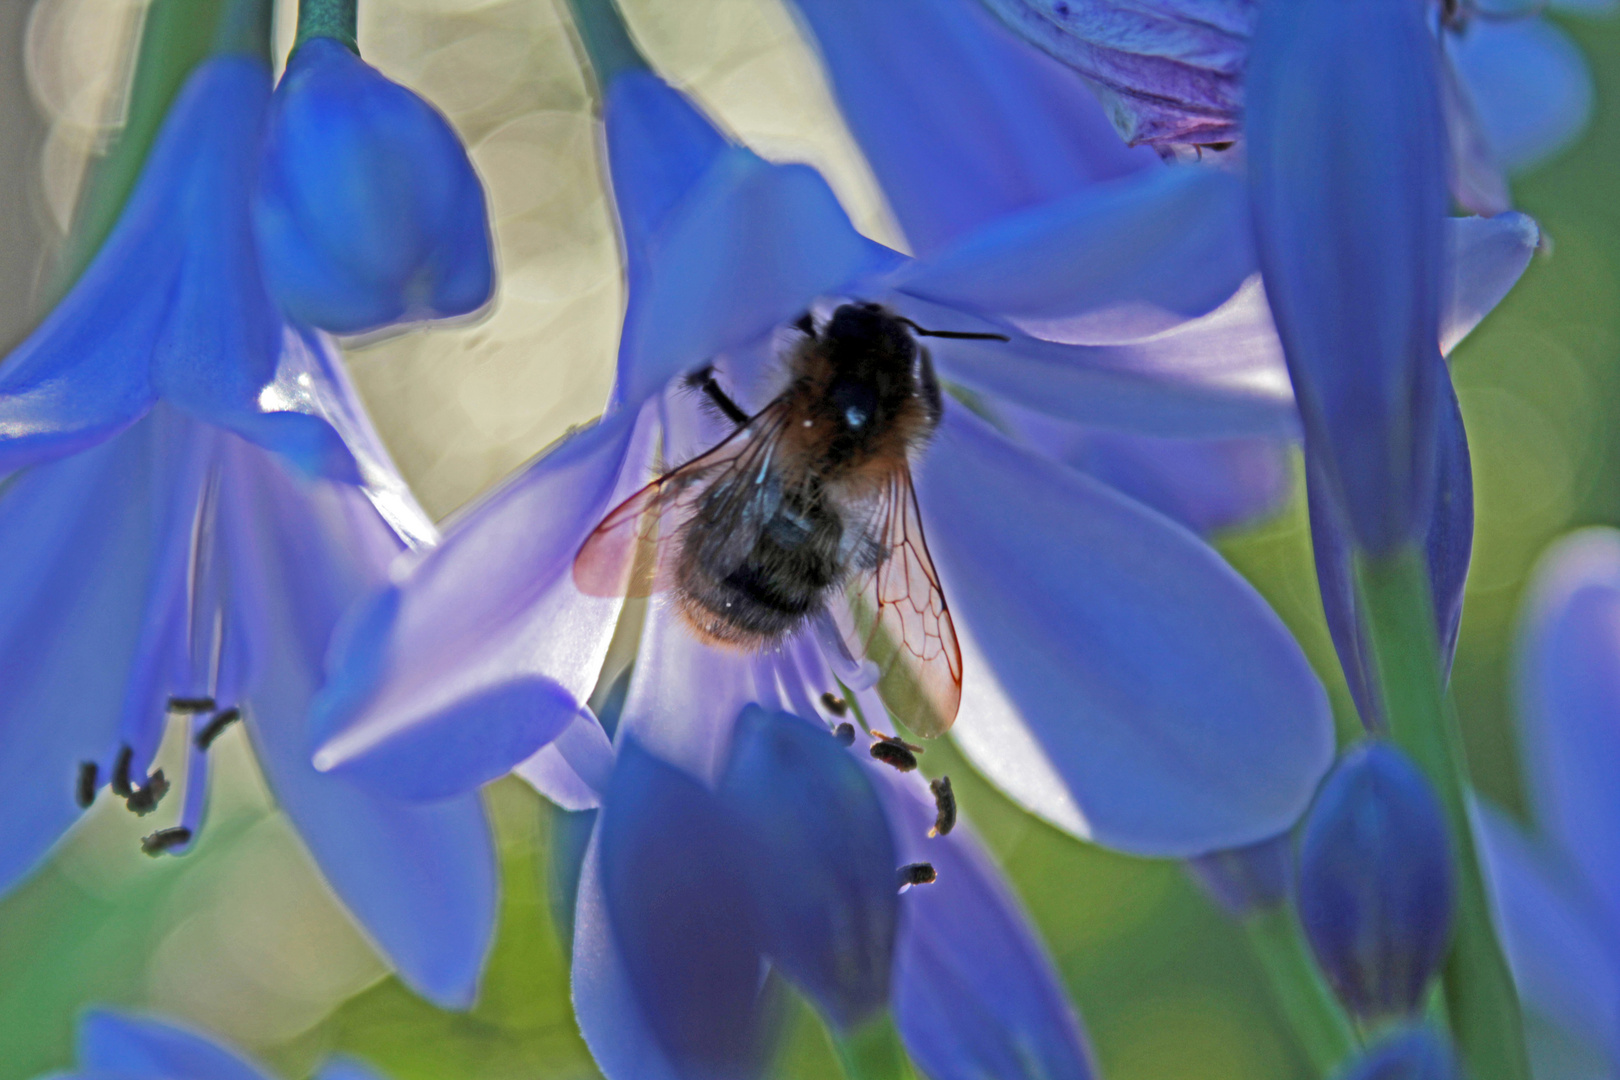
{"x": 136, "y": 1048}
{"x": 1008, "y": 130}
{"x": 1179, "y": 713}
{"x": 573, "y": 769}
{"x": 1529, "y": 86}
{"x": 1486, "y": 257}
{"x": 490, "y": 616}
{"x": 1559, "y": 943}
{"x": 1115, "y": 262}
{"x": 419, "y": 878}
{"x": 749, "y": 247}
{"x": 976, "y": 993}
{"x": 1568, "y": 678}
{"x": 96, "y": 547}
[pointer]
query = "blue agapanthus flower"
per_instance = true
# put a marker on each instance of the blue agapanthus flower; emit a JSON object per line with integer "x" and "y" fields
{"x": 366, "y": 210}
{"x": 1558, "y": 887}
{"x": 484, "y": 654}
{"x": 193, "y": 497}
{"x": 1411, "y": 1053}
{"x": 128, "y": 1047}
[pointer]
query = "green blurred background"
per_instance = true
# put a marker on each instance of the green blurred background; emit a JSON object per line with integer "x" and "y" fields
{"x": 241, "y": 936}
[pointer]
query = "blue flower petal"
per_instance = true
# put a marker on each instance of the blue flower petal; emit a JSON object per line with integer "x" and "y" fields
{"x": 1008, "y": 130}
{"x": 136, "y": 1048}
{"x": 1115, "y": 262}
{"x": 1177, "y": 710}
{"x": 573, "y": 769}
{"x": 975, "y": 992}
{"x": 419, "y": 878}
{"x": 1529, "y": 86}
{"x": 1348, "y": 178}
{"x": 1413, "y": 1053}
{"x": 367, "y": 211}
{"x": 491, "y": 615}
{"x": 1562, "y": 950}
{"x": 1486, "y": 257}
{"x": 346, "y": 1068}
{"x": 96, "y": 549}
{"x": 1569, "y": 695}
{"x": 819, "y": 860}
{"x": 683, "y": 929}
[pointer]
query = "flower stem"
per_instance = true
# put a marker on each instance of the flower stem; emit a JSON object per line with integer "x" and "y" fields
{"x": 1483, "y": 1004}
{"x": 244, "y": 28}
{"x": 175, "y": 36}
{"x": 335, "y": 19}
{"x": 1320, "y": 1024}
{"x": 606, "y": 39}
{"x": 873, "y": 1051}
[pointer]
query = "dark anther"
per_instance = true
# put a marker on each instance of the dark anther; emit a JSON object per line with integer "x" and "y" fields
{"x": 89, "y": 780}
{"x": 896, "y": 752}
{"x": 120, "y": 774}
{"x": 1217, "y": 147}
{"x": 164, "y": 839}
{"x": 191, "y": 704}
{"x": 959, "y": 335}
{"x": 145, "y": 799}
{"x": 845, "y": 733}
{"x": 944, "y": 806}
{"x": 917, "y": 873}
{"x": 210, "y": 731}
{"x": 834, "y": 704}
{"x": 805, "y": 324}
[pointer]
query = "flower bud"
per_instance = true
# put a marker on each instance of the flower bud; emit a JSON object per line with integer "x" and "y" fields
{"x": 1410, "y": 1054}
{"x": 1375, "y": 882}
{"x": 367, "y": 211}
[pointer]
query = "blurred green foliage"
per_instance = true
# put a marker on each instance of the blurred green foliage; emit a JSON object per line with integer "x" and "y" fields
{"x": 1167, "y": 987}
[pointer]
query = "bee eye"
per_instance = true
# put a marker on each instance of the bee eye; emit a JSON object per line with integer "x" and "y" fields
{"x": 917, "y": 873}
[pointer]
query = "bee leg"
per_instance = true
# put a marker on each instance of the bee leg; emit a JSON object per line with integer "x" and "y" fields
{"x": 928, "y": 384}
{"x": 704, "y": 380}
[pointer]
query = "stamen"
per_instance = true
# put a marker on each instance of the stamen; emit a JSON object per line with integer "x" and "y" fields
{"x": 120, "y": 774}
{"x": 917, "y": 873}
{"x": 896, "y": 752}
{"x": 144, "y": 800}
{"x": 89, "y": 777}
{"x": 834, "y": 704}
{"x": 944, "y": 806}
{"x": 191, "y": 704}
{"x": 164, "y": 839}
{"x": 845, "y": 733}
{"x": 211, "y": 730}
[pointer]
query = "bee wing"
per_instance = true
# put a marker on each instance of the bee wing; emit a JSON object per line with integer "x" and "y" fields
{"x": 632, "y": 552}
{"x": 899, "y": 619}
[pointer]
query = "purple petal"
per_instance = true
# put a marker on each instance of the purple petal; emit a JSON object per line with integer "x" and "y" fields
{"x": 419, "y": 878}
{"x": 96, "y": 550}
{"x": 682, "y": 926}
{"x": 1569, "y": 695}
{"x": 573, "y": 769}
{"x": 975, "y": 992}
{"x": 137, "y": 1048}
{"x": 1486, "y": 257}
{"x": 1009, "y": 130}
{"x": 488, "y": 630}
{"x": 1561, "y": 947}
{"x": 1528, "y": 84}
{"x": 1352, "y": 244}
{"x": 1116, "y": 262}
{"x": 1177, "y": 710}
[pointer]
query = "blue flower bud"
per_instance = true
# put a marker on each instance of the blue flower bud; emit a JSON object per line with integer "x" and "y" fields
{"x": 1409, "y": 1054}
{"x": 822, "y": 861}
{"x": 1375, "y": 882}
{"x": 367, "y": 212}
{"x": 1247, "y": 879}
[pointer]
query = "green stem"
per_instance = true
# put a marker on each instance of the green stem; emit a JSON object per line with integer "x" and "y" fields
{"x": 1320, "y": 1024}
{"x": 244, "y": 28}
{"x": 335, "y": 19}
{"x": 175, "y": 37}
{"x": 1483, "y": 1004}
{"x": 606, "y": 39}
{"x": 873, "y": 1051}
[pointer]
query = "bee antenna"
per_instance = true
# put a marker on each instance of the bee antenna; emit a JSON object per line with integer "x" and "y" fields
{"x": 961, "y": 335}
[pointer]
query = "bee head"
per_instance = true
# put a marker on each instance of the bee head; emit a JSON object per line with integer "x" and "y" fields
{"x": 871, "y": 330}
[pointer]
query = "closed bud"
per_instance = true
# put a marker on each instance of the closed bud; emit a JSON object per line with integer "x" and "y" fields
{"x": 1410, "y": 1054}
{"x": 368, "y": 212}
{"x": 1375, "y": 882}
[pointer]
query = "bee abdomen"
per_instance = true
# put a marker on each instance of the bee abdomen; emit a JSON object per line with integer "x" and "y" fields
{"x": 783, "y": 580}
